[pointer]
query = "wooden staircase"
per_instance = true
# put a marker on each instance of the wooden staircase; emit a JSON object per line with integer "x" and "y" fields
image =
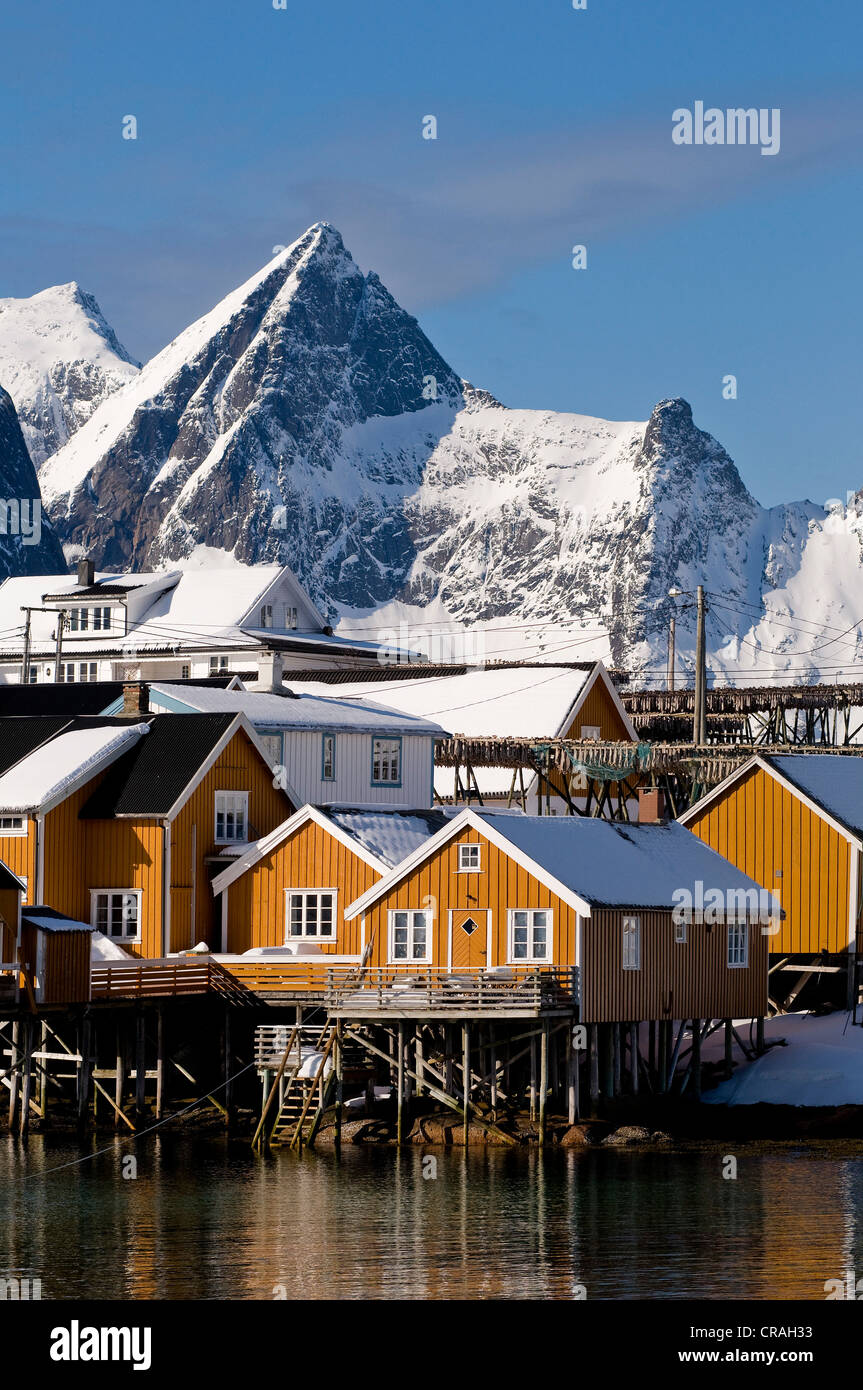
{"x": 305, "y": 1098}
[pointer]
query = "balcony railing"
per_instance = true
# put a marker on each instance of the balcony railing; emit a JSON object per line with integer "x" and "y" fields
{"x": 505, "y": 989}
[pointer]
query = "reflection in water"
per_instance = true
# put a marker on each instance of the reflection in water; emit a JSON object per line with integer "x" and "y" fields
{"x": 206, "y": 1219}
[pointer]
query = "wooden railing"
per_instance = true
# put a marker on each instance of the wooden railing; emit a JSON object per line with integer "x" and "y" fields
{"x": 120, "y": 979}
{"x": 405, "y": 989}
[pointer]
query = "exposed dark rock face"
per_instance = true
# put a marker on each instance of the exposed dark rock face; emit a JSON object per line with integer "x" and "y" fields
{"x": 28, "y": 544}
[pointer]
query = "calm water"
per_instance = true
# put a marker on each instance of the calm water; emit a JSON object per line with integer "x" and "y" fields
{"x": 205, "y": 1220}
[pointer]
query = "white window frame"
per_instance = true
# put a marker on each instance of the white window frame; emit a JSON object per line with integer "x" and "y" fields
{"x": 218, "y": 664}
{"x": 411, "y": 913}
{"x": 389, "y": 760}
{"x": 241, "y": 799}
{"x": 469, "y": 852}
{"x": 737, "y": 946}
{"x": 530, "y": 926}
{"x": 291, "y": 618}
{"x": 266, "y": 615}
{"x": 306, "y": 894}
{"x": 630, "y": 929}
{"x": 328, "y": 762}
{"x": 17, "y": 830}
{"x": 681, "y": 933}
{"x": 109, "y": 893}
{"x": 591, "y": 731}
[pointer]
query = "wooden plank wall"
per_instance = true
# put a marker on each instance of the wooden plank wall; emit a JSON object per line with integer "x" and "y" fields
{"x": 67, "y": 967}
{"x": 437, "y": 886}
{"x": 18, "y": 853}
{"x": 238, "y": 768}
{"x": 762, "y": 827}
{"x": 310, "y": 858}
{"x": 691, "y": 980}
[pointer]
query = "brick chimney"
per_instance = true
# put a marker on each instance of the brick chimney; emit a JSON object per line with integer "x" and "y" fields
{"x": 651, "y": 806}
{"x": 136, "y": 699}
{"x": 86, "y": 573}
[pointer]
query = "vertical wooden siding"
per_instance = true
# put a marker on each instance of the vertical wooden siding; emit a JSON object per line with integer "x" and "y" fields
{"x": 310, "y": 858}
{"x": 18, "y": 853}
{"x": 690, "y": 980}
{"x": 67, "y": 967}
{"x": 238, "y": 768}
{"x": 438, "y": 887}
{"x": 8, "y": 924}
{"x": 763, "y": 827}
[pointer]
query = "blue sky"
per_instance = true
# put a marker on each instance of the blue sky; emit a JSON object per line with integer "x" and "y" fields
{"x": 554, "y": 129}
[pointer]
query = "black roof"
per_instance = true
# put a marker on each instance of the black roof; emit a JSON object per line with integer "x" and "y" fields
{"x": 83, "y": 697}
{"x": 49, "y": 919}
{"x": 148, "y": 779}
{"x": 21, "y": 735}
{"x": 7, "y": 878}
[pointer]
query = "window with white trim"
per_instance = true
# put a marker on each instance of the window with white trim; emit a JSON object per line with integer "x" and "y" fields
{"x": 469, "y": 859}
{"x": 272, "y": 744}
{"x": 529, "y": 934}
{"x": 72, "y": 672}
{"x": 591, "y": 731}
{"x": 386, "y": 762}
{"x": 90, "y": 619}
{"x": 328, "y": 757}
{"x": 680, "y": 933}
{"x": 631, "y": 953}
{"x": 410, "y": 935}
{"x": 738, "y": 945}
{"x": 12, "y": 825}
{"x": 116, "y": 912}
{"x": 185, "y": 672}
{"x": 232, "y": 816}
{"x": 310, "y": 913}
{"x": 218, "y": 664}
{"x": 291, "y": 618}
{"x": 32, "y": 675}
{"x": 267, "y": 615}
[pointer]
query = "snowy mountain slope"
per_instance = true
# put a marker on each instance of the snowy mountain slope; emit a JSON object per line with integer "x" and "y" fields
{"x": 308, "y": 419}
{"x": 28, "y": 544}
{"x": 59, "y": 359}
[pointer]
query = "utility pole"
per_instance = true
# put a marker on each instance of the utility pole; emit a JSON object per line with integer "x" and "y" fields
{"x": 700, "y": 722}
{"x": 671, "y": 628}
{"x": 61, "y": 623}
{"x": 25, "y": 659}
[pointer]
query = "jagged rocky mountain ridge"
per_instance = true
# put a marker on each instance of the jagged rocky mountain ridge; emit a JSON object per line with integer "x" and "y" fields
{"x": 29, "y": 546}
{"x": 59, "y": 360}
{"x": 308, "y": 418}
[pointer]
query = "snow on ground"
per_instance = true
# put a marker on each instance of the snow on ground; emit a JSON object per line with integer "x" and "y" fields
{"x": 822, "y": 1064}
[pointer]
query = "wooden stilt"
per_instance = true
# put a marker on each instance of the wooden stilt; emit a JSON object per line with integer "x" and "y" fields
{"x": 14, "y": 1074}
{"x": 119, "y": 1074}
{"x": 465, "y": 1071}
{"x": 418, "y": 1059}
{"x": 84, "y": 1070}
{"x": 533, "y": 1079}
{"x": 543, "y": 1083}
{"x": 651, "y": 1047}
{"x": 616, "y": 1058}
{"x": 27, "y": 1035}
{"x": 339, "y": 1067}
{"x": 492, "y": 1047}
{"x": 140, "y": 1064}
{"x": 448, "y": 1059}
{"x": 634, "y": 1055}
{"x": 662, "y": 1058}
{"x": 160, "y": 1062}
{"x": 696, "y": 1058}
{"x": 42, "y": 1082}
{"x": 593, "y": 1043}
{"x": 400, "y": 1083}
{"x": 573, "y": 1058}
{"x": 230, "y": 1109}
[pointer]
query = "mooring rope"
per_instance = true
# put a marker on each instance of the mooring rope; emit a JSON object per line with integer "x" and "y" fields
{"x": 139, "y": 1134}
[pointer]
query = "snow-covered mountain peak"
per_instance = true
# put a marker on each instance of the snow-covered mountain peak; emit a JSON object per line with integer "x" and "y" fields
{"x": 59, "y": 359}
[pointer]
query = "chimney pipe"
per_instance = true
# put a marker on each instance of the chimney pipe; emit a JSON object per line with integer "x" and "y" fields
{"x": 651, "y": 806}
{"x": 270, "y": 671}
{"x": 86, "y": 573}
{"x": 136, "y": 699}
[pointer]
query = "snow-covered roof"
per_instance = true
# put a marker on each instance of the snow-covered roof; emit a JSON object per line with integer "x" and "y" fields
{"x": 55, "y": 769}
{"x": 390, "y": 835}
{"x": 46, "y": 919}
{"x": 833, "y": 781}
{"x": 306, "y": 712}
{"x": 519, "y": 702}
{"x": 594, "y": 863}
